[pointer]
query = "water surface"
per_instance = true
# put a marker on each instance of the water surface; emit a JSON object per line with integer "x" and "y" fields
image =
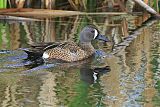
{"x": 132, "y": 79}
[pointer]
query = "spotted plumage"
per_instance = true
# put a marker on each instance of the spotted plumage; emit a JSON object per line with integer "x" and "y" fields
{"x": 71, "y": 51}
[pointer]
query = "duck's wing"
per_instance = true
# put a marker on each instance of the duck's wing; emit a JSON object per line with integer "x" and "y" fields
{"x": 53, "y": 45}
{"x": 44, "y": 46}
{"x": 70, "y": 46}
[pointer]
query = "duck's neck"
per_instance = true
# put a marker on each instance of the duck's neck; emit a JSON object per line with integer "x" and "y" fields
{"x": 88, "y": 47}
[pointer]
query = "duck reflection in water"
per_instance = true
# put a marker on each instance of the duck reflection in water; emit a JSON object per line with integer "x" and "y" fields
{"x": 91, "y": 76}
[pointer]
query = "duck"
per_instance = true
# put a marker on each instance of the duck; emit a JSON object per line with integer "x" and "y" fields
{"x": 69, "y": 51}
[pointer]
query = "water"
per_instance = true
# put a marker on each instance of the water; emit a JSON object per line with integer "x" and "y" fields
{"x": 131, "y": 79}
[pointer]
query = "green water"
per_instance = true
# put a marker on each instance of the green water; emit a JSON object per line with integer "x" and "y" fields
{"x": 133, "y": 80}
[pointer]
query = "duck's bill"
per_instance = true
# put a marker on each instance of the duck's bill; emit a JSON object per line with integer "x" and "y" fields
{"x": 102, "y": 37}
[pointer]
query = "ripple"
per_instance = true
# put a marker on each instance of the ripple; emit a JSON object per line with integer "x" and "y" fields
{"x": 45, "y": 66}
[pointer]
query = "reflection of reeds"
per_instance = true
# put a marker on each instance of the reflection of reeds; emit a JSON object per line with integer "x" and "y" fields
{"x": 137, "y": 59}
{"x": 15, "y": 35}
{"x": 44, "y": 33}
{"x": 75, "y": 27}
{"x": 116, "y": 35}
{"x": 49, "y": 31}
{"x": 9, "y": 90}
{"x": 124, "y": 27}
{"x": 47, "y": 96}
{"x": 7, "y": 97}
{"x": 4, "y": 36}
{"x": 10, "y": 96}
{"x": 27, "y": 30}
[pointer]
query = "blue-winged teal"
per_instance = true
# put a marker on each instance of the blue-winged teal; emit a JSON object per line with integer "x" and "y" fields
{"x": 70, "y": 51}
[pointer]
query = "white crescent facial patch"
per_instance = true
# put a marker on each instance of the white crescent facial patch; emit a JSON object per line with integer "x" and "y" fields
{"x": 95, "y": 33}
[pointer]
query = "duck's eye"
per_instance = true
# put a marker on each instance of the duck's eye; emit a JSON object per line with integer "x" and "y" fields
{"x": 92, "y": 31}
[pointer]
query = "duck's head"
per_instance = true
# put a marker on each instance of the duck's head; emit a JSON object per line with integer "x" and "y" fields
{"x": 90, "y": 33}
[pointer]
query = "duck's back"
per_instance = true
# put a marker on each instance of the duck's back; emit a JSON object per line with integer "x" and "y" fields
{"x": 69, "y": 52}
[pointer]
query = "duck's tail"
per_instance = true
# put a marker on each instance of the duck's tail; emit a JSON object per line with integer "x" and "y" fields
{"x": 32, "y": 53}
{"x": 36, "y": 51}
